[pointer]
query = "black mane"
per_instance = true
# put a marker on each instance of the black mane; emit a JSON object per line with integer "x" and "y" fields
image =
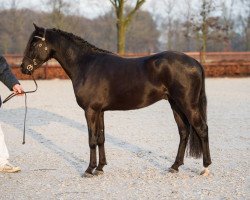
{"x": 81, "y": 42}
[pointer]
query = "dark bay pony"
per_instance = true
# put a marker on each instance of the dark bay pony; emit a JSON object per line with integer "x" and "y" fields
{"x": 105, "y": 81}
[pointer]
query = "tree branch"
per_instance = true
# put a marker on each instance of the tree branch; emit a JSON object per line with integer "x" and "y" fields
{"x": 132, "y": 12}
{"x": 116, "y": 5}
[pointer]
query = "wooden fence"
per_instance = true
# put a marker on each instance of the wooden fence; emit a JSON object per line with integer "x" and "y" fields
{"x": 217, "y": 64}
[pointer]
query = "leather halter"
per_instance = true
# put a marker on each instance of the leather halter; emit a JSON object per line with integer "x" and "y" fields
{"x": 30, "y": 67}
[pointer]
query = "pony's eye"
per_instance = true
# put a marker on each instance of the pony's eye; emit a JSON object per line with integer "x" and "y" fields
{"x": 40, "y": 45}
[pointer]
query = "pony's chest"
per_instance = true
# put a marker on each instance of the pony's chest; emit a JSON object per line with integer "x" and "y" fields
{"x": 92, "y": 95}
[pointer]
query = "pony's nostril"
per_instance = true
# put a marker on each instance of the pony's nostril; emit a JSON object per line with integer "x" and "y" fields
{"x": 25, "y": 71}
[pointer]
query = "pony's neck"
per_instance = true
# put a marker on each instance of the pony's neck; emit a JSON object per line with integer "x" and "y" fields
{"x": 68, "y": 49}
{"x": 65, "y": 56}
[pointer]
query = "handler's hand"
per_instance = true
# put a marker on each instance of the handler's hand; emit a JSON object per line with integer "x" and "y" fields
{"x": 18, "y": 89}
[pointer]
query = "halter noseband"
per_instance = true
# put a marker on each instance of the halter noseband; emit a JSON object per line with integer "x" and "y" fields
{"x": 30, "y": 67}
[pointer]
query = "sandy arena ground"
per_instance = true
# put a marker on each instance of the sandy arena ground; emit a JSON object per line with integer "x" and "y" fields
{"x": 140, "y": 145}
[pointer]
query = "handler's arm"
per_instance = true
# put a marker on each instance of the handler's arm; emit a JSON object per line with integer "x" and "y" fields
{"x": 8, "y": 78}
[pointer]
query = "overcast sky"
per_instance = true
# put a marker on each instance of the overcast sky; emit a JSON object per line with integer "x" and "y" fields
{"x": 94, "y": 8}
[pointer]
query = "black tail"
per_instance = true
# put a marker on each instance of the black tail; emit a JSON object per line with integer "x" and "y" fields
{"x": 203, "y": 99}
{"x": 194, "y": 144}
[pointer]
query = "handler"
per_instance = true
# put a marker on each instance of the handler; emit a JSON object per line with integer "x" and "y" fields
{"x": 13, "y": 84}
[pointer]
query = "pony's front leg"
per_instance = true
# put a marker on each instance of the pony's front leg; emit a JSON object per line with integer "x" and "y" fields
{"x": 100, "y": 143}
{"x": 92, "y": 121}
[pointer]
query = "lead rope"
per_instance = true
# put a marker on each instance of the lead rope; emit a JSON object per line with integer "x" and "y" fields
{"x": 26, "y": 107}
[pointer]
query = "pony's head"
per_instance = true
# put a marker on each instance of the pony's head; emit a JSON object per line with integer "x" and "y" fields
{"x": 37, "y": 51}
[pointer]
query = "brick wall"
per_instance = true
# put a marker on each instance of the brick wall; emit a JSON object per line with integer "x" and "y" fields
{"x": 218, "y": 64}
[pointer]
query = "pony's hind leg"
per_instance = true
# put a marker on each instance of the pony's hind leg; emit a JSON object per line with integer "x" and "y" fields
{"x": 201, "y": 129}
{"x": 183, "y": 127}
{"x": 100, "y": 143}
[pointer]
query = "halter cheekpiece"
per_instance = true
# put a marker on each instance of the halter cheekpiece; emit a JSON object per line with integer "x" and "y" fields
{"x": 30, "y": 67}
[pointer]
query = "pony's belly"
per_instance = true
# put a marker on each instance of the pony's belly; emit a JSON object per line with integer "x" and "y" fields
{"x": 132, "y": 103}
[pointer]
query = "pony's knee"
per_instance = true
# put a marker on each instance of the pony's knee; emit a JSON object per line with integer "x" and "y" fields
{"x": 101, "y": 138}
{"x": 92, "y": 142}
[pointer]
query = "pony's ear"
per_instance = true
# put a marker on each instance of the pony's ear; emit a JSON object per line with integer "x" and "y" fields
{"x": 36, "y": 27}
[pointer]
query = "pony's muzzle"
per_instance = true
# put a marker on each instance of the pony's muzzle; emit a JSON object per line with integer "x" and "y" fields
{"x": 27, "y": 70}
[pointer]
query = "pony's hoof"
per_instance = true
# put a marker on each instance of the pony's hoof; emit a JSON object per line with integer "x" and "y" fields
{"x": 87, "y": 175}
{"x": 173, "y": 170}
{"x": 205, "y": 172}
{"x": 98, "y": 172}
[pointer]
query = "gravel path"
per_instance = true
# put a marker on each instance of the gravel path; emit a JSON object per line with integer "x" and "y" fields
{"x": 140, "y": 146}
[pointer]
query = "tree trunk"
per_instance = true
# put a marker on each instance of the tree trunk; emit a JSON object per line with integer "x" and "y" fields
{"x": 123, "y": 21}
{"x": 204, "y": 42}
{"x": 204, "y": 30}
{"x": 120, "y": 28}
{"x": 121, "y": 34}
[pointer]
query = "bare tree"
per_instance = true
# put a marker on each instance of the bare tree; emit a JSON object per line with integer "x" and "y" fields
{"x": 228, "y": 24}
{"x": 188, "y": 25}
{"x": 169, "y": 6}
{"x": 136, "y": 39}
{"x": 12, "y": 26}
{"x": 122, "y": 21}
{"x": 58, "y": 10}
{"x": 208, "y": 26}
{"x": 206, "y": 9}
{"x": 245, "y": 23}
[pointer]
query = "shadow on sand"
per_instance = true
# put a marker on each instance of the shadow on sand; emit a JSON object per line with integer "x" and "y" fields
{"x": 14, "y": 117}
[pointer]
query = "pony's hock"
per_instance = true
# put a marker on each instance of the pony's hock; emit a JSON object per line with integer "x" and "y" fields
{"x": 105, "y": 81}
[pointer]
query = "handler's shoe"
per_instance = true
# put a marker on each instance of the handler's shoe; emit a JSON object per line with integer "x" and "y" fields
{"x": 8, "y": 168}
